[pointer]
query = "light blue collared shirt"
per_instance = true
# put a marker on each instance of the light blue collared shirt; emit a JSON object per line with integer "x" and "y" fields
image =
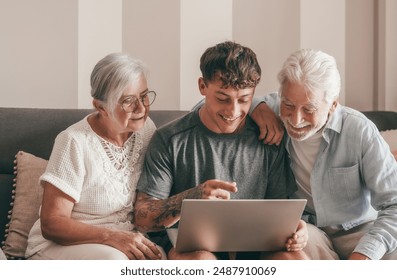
{"x": 353, "y": 174}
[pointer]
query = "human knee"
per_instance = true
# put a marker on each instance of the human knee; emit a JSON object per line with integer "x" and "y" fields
{"x": 284, "y": 255}
{"x": 110, "y": 255}
{"x": 195, "y": 255}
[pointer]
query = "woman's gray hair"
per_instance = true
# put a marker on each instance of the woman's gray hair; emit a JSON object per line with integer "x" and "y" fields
{"x": 112, "y": 75}
{"x": 315, "y": 70}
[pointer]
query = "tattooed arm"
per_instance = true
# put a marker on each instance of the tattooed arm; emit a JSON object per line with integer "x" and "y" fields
{"x": 152, "y": 214}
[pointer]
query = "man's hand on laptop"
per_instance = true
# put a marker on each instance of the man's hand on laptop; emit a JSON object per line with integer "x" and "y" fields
{"x": 153, "y": 214}
{"x": 214, "y": 189}
{"x": 299, "y": 239}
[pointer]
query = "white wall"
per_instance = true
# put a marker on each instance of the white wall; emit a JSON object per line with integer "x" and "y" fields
{"x": 272, "y": 29}
{"x": 200, "y": 27}
{"x": 49, "y": 47}
{"x": 390, "y": 79}
{"x": 323, "y": 27}
{"x": 386, "y": 56}
{"x": 151, "y": 32}
{"x": 360, "y": 63}
{"x": 38, "y": 51}
{"x": 99, "y": 33}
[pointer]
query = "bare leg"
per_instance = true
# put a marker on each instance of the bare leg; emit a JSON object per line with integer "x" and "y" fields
{"x": 195, "y": 255}
{"x": 296, "y": 255}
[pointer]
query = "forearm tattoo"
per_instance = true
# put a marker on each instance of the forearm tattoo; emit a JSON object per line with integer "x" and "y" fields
{"x": 164, "y": 213}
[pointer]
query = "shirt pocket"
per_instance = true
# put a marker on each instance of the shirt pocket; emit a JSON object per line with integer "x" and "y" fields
{"x": 346, "y": 183}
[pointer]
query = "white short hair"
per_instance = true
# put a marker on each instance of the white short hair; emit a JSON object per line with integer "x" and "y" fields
{"x": 112, "y": 75}
{"x": 315, "y": 70}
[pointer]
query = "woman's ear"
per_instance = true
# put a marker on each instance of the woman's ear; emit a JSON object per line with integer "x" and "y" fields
{"x": 99, "y": 107}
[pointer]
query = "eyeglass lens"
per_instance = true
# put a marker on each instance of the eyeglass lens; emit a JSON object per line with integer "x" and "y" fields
{"x": 146, "y": 100}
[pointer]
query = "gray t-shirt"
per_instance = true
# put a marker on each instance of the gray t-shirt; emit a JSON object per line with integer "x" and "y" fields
{"x": 185, "y": 153}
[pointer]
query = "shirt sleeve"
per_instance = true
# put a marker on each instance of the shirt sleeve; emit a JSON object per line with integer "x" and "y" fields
{"x": 272, "y": 100}
{"x": 379, "y": 170}
{"x": 65, "y": 168}
{"x": 157, "y": 178}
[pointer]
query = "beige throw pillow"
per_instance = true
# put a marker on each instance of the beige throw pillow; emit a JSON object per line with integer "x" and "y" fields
{"x": 390, "y": 137}
{"x": 27, "y": 201}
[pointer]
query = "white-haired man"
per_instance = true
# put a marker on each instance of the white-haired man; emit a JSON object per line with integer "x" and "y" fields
{"x": 342, "y": 165}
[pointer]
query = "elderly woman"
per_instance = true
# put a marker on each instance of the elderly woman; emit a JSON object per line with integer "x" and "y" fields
{"x": 89, "y": 184}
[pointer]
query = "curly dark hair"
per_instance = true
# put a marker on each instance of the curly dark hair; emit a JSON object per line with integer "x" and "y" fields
{"x": 231, "y": 63}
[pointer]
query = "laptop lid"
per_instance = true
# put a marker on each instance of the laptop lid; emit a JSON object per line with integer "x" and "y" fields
{"x": 236, "y": 225}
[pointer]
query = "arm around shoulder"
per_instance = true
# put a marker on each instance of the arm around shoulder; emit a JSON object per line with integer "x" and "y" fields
{"x": 265, "y": 115}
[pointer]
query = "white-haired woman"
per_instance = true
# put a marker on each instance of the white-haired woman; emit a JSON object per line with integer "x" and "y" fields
{"x": 90, "y": 181}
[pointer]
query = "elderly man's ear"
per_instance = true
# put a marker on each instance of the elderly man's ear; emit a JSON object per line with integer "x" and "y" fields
{"x": 333, "y": 106}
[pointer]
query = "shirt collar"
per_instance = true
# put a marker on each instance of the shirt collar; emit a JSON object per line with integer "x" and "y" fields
{"x": 335, "y": 120}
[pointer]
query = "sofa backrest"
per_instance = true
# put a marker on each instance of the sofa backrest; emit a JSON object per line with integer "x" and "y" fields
{"x": 34, "y": 130}
{"x": 384, "y": 120}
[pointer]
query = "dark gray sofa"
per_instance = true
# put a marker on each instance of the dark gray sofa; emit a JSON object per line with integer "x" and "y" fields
{"x": 34, "y": 131}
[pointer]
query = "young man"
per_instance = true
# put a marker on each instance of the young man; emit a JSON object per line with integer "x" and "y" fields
{"x": 214, "y": 152}
{"x": 341, "y": 164}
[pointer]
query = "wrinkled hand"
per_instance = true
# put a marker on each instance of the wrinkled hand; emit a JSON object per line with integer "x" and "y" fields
{"x": 216, "y": 189}
{"x": 270, "y": 125}
{"x": 299, "y": 239}
{"x": 135, "y": 245}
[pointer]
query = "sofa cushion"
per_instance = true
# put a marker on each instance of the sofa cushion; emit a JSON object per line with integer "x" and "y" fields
{"x": 26, "y": 204}
{"x": 390, "y": 137}
{"x": 2, "y": 256}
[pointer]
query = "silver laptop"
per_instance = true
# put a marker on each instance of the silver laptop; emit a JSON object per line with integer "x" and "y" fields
{"x": 236, "y": 225}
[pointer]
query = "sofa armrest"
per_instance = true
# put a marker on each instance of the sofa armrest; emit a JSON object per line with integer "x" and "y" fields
{"x": 2, "y": 256}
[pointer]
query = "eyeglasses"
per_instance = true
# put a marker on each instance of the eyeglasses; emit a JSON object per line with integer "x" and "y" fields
{"x": 130, "y": 104}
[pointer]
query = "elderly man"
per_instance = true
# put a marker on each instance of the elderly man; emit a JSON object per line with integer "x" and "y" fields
{"x": 342, "y": 165}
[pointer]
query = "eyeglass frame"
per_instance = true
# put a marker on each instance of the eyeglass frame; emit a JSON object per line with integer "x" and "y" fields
{"x": 135, "y": 100}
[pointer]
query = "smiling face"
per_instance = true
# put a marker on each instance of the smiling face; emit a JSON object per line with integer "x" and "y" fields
{"x": 225, "y": 109}
{"x": 133, "y": 121}
{"x": 303, "y": 113}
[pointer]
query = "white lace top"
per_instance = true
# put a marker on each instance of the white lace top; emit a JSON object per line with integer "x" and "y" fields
{"x": 98, "y": 175}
